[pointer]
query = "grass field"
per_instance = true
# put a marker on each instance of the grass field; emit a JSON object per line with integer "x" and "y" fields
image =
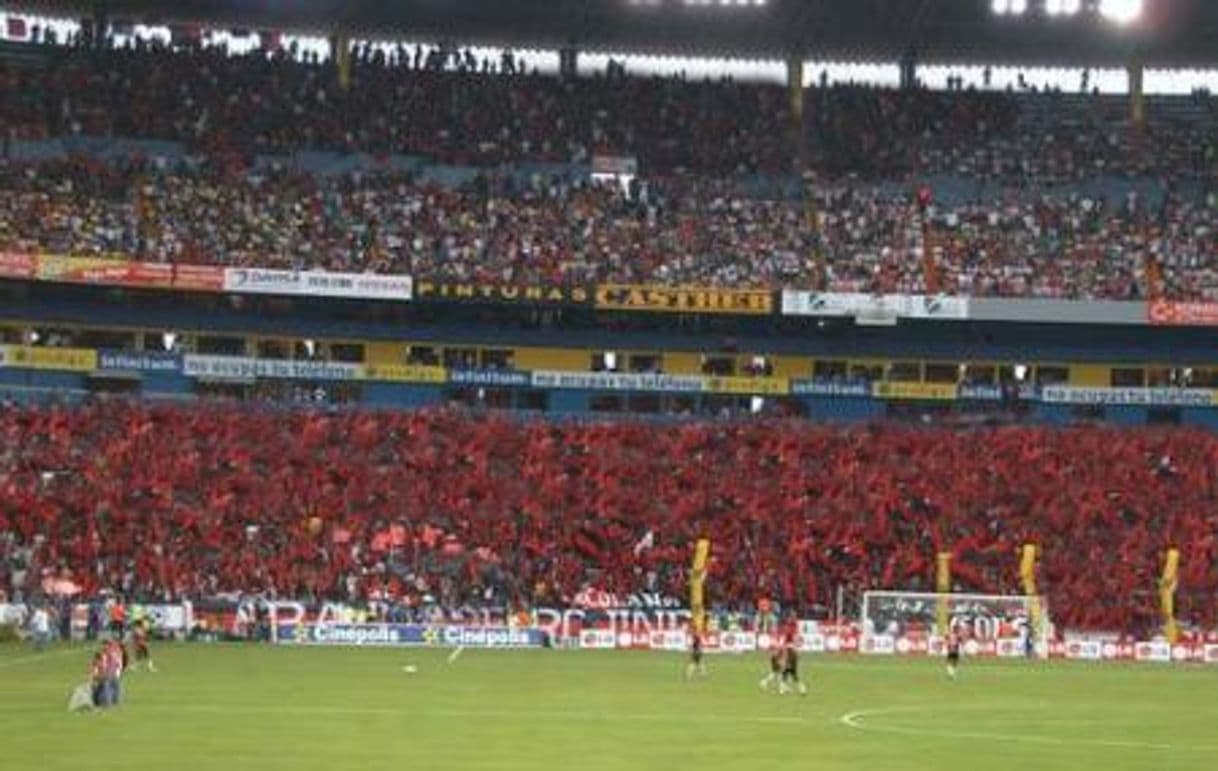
{"x": 232, "y": 707}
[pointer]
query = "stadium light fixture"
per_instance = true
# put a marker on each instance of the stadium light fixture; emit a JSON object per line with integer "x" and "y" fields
{"x": 1121, "y": 11}
{"x": 169, "y": 340}
{"x": 1019, "y": 7}
{"x": 1021, "y": 372}
{"x": 1062, "y": 7}
{"x": 1000, "y": 7}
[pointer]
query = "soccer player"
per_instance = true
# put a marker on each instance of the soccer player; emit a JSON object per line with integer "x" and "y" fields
{"x": 40, "y": 628}
{"x": 953, "y": 654}
{"x": 97, "y": 678}
{"x": 114, "y": 662}
{"x": 139, "y": 636}
{"x": 775, "y": 672}
{"x": 695, "y": 666}
{"x": 790, "y": 659}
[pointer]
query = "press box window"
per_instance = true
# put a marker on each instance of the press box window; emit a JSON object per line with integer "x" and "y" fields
{"x": 604, "y": 361}
{"x": 422, "y": 355}
{"x": 722, "y": 366}
{"x": 1128, "y": 378}
{"x": 460, "y": 358}
{"x": 496, "y": 358}
{"x": 829, "y": 369}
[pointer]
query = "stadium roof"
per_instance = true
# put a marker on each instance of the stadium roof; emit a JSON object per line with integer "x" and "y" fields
{"x": 1170, "y": 32}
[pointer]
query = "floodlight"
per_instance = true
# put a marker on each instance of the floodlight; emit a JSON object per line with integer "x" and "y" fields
{"x": 1121, "y": 11}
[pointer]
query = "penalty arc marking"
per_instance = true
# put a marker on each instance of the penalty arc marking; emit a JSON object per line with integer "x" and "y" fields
{"x": 857, "y": 720}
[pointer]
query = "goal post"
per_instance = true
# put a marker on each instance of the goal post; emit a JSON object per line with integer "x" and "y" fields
{"x": 981, "y": 617}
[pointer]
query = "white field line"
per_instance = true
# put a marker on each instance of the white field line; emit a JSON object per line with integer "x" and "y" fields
{"x": 857, "y": 721}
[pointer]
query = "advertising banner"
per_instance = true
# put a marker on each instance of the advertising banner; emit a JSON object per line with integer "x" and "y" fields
{"x": 1088, "y": 650}
{"x": 106, "y": 271}
{"x": 243, "y": 368}
{"x": 410, "y": 635}
{"x": 618, "y": 381}
{"x": 312, "y": 283}
{"x": 836, "y": 388}
{"x": 1152, "y": 651}
{"x": 198, "y": 278}
{"x": 753, "y": 386}
{"x": 138, "y": 361}
{"x": 1182, "y": 314}
{"x": 878, "y": 644}
{"x": 443, "y": 291}
{"x": 406, "y": 373}
{"x": 873, "y": 307}
{"x": 663, "y": 299}
{"x": 980, "y": 393}
{"x": 66, "y": 359}
{"x": 915, "y": 391}
{"x": 1170, "y": 397}
{"x": 18, "y": 266}
{"x": 495, "y": 378}
{"x": 169, "y": 618}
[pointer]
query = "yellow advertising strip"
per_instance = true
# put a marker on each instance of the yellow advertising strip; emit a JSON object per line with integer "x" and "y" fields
{"x": 939, "y": 392}
{"x": 665, "y": 299}
{"x": 754, "y": 386}
{"x": 66, "y": 359}
{"x": 406, "y": 373}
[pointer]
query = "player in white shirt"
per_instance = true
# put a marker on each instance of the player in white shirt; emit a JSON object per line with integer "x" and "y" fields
{"x": 40, "y": 627}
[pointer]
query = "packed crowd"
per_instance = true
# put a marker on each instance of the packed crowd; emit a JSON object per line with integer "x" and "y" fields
{"x": 674, "y": 230}
{"x": 483, "y": 114}
{"x": 172, "y": 501}
{"x": 692, "y": 220}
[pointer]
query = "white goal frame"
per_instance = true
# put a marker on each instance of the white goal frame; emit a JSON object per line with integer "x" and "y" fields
{"x": 1034, "y": 606}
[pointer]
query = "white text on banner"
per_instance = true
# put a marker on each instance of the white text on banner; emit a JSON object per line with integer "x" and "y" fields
{"x": 243, "y": 368}
{"x": 1168, "y": 397}
{"x": 615, "y": 381}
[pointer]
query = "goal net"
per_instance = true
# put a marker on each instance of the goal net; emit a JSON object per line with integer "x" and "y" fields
{"x": 983, "y": 618}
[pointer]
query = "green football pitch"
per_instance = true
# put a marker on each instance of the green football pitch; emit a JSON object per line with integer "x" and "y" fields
{"x": 234, "y": 707}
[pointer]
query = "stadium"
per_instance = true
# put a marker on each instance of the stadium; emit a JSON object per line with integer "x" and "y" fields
{"x": 609, "y": 383}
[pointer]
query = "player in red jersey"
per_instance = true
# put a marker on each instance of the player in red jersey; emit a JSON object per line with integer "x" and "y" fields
{"x": 139, "y": 637}
{"x": 696, "y": 665}
{"x": 772, "y": 677}
{"x": 790, "y": 658}
{"x": 953, "y": 654}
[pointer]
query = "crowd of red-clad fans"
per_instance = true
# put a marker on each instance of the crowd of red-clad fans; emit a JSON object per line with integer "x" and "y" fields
{"x": 176, "y": 501}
